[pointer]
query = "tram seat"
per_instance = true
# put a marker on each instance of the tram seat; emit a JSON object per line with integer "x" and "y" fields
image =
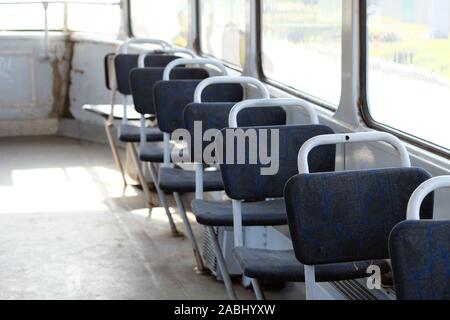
{"x": 108, "y": 63}
{"x": 245, "y": 184}
{"x": 125, "y": 63}
{"x": 420, "y": 252}
{"x": 346, "y": 217}
{"x": 171, "y": 97}
{"x": 216, "y": 116}
{"x": 142, "y": 81}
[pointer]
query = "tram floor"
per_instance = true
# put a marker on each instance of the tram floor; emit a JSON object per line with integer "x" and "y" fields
{"x": 69, "y": 230}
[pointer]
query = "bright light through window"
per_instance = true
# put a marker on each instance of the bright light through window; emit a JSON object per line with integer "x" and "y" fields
{"x": 223, "y": 29}
{"x": 94, "y": 17}
{"x": 164, "y": 20}
{"x": 30, "y": 16}
{"x": 100, "y": 16}
{"x": 409, "y": 67}
{"x": 302, "y": 46}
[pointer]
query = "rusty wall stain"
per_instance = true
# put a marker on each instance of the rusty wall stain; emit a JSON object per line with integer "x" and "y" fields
{"x": 61, "y": 67}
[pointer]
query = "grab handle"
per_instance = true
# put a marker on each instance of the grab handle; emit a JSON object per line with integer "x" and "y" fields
{"x": 330, "y": 139}
{"x": 314, "y": 119}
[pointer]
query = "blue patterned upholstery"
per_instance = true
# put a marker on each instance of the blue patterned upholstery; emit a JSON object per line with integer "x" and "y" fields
{"x": 244, "y": 182}
{"x": 348, "y": 216}
{"x": 420, "y": 253}
{"x": 220, "y": 213}
{"x": 265, "y": 264}
{"x": 171, "y": 97}
{"x": 124, "y": 63}
{"x": 179, "y": 180}
{"x": 143, "y": 80}
{"x": 132, "y": 133}
{"x": 215, "y": 116}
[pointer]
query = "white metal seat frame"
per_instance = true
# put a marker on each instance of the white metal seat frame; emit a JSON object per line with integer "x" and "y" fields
{"x": 313, "y": 291}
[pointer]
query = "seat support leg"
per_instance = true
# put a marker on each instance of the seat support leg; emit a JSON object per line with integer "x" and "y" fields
{"x": 200, "y": 266}
{"x": 115, "y": 150}
{"x": 257, "y": 289}
{"x": 141, "y": 177}
{"x": 222, "y": 265}
{"x": 163, "y": 199}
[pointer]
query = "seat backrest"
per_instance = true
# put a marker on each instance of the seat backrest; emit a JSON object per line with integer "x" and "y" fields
{"x": 172, "y": 97}
{"x": 107, "y": 63}
{"x": 347, "y": 216}
{"x": 124, "y": 63}
{"x": 420, "y": 253}
{"x": 245, "y": 181}
{"x": 142, "y": 81}
{"x": 215, "y": 116}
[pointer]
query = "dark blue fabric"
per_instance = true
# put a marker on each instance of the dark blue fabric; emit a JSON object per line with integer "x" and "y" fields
{"x": 272, "y": 265}
{"x": 215, "y": 116}
{"x": 132, "y": 133}
{"x": 179, "y": 180}
{"x": 244, "y": 182}
{"x": 151, "y": 153}
{"x": 171, "y": 97}
{"x": 348, "y": 216}
{"x": 420, "y": 253}
{"x": 220, "y": 213}
{"x": 142, "y": 81}
{"x": 124, "y": 63}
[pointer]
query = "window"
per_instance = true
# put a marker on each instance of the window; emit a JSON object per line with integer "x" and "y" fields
{"x": 409, "y": 67}
{"x": 222, "y": 33}
{"x": 100, "y": 17}
{"x": 302, "y": 46}
{"x": 30, "y": 16}
{"x": 164, "y": 20}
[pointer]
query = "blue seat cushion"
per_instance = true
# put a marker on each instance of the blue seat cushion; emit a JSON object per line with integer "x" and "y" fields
{"x": 179, "y": 180}
{"x": 132, "y": 133}
{"x": 420, "y": 253}
{"x": 220, "y": 213}
{"x": 265, "y": 264}
{"x": 149, "y": 153}
{"x": 348, "y": 216}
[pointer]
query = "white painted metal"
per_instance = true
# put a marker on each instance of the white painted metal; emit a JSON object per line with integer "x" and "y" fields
{"x": 230, "y": 80}
{"x": 413, "y": 211}
{"x": 237, "y": 224}
{"x": 288, "y": 102}
{"x": 199, "y": 181}
{"x": 198, "y": 61}
{"x": 127, "y": 43}
{"x": 351, "y": 138}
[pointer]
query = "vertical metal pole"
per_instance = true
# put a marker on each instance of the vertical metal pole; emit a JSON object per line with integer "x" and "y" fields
{"x": 46, "y": 38}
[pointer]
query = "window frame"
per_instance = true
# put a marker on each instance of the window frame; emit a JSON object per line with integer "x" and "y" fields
{"x": 364, "y": 106}
{"x": 199, "y": 50}
{"x": 277, "y": 84}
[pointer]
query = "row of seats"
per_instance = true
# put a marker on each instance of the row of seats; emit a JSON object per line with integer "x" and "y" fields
{"x": 341, "y": 223}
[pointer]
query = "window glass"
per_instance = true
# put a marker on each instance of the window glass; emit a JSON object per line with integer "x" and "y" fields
{"x": 164, "y": 20}
{"x": 30, "y": 16}
{"x": 302, "y": 45}
{"x": 223, "y": 29}
{"x": 94, "y": 17}
{"x": 409, "y": 67}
